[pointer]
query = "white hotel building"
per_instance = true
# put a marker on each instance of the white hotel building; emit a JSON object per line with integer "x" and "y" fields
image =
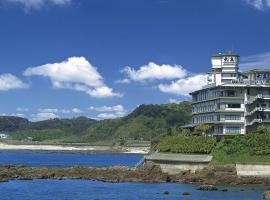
{"x": 232, "y": 102}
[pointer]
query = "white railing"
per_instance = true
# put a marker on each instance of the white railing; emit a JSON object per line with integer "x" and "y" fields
{"x": 254, "y": 110}
{"x": 254, "y": 121}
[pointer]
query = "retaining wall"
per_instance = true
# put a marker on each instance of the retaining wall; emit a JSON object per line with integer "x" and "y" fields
{"x": 253, "y": 169}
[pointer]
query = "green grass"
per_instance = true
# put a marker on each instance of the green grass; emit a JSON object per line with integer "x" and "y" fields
{"x": 223, "y": 158}
{"x": 251, "y": 148}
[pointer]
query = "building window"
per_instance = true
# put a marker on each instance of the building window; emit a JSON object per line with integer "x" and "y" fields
{"x": 230, "y": 93}
{"x": 233, "y": 105}
{"x": 233, "y": 130}
{"x": 232, "y": 117}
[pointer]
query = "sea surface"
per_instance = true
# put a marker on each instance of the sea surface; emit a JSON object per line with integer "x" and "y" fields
{"x": 97, "y": 190}
{"x": 66, "y": 159}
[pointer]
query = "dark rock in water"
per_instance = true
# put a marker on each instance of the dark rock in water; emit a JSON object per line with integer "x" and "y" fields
{"x": 207, "y": 178}
{"x": 4, "y": 180}
{"x": 186, "y": 193}
{"x": 166, "y": 192}
{"x": 207, "y": 188}
{"x": 266, "y": 195}
{"x": 224, "y": 190}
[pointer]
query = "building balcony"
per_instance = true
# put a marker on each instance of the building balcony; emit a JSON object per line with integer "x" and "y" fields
{"x": 257, "y": 109}
{"x": 259, "y": 121}
{"x": 259, "y": 96}
{"x": 221, "y": 97}
{"x": 226, "y": 110}
{"x": 253, "y": 122}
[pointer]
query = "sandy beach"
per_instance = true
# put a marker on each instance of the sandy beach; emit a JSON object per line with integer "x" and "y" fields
{"x": 134, "y": 150}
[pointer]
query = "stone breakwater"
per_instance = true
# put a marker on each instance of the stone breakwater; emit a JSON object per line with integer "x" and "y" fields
{"x": 152, "y": 174}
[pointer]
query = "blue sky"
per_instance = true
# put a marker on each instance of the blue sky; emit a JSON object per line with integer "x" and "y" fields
{"x": 101, "y": 59}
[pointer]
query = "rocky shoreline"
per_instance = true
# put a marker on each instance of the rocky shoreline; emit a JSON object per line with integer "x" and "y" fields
{"x": 213, "y": 175}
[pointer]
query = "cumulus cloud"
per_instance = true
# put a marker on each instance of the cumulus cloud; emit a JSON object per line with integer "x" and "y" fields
{"x": 184, "y": 86}
{"x": 109, "y": 112}
{"x": 257, "y": 61}
{"x": 19, "y": 109}
{"x": 43, "y": 116}
{"x": 76, "y": 110}
{"x": 153, "y": 71}
{"x": 48, "y": 110}
{"x": 63, "y": 111}
{"x": 117, "y": 108}
{"x": 74, "y": 73}
{"x": 174, "y": 101}
{"x": 9, "y": 82}
{"x": 110, "y": 115}
{"x": 38, "y": 4}
{"x": 259, "y": 4}
{"x": 19, "y": 115}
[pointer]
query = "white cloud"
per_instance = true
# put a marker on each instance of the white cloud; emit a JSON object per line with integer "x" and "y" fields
{"x": 38, "y": 4}
{"x": 123, "y": 81}
{"x": 22, "y": 109}
{"x": 184, "y": 86}
{"x": 18, "y": 115}
{"x": 76, "y": 110}
{"x": 65, "y": 111}
{"x": 48, "y": 110}
{"x": 74, "y": 73}
{"x": 110, "y": 115}
{"x": 153, "y": 71}
{"x": 109, "y": 112}
{"x": 43, "y": 116}
{"x": 257, "y": 61}
{"x": 9, "y": 81}
{"x": 174, "y": 101}
{"x": 55, "y": 110}
{"x": 259, "y": 4}
{"x": 117, "y": 108}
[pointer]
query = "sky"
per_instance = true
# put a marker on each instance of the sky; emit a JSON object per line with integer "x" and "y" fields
{"x": 101, "y": 59}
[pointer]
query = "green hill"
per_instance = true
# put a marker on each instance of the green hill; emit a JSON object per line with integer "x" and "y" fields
{"x": 146, "y": 122}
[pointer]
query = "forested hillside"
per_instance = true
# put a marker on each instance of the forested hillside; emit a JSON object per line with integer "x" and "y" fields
{"x": 146, "y": 122}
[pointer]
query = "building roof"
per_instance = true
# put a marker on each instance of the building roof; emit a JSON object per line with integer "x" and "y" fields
{"x": 229, "y": 53}
{"x": 257, "y": 70}
{"x": 189, "y": 126}
{"x": 192, "y": 158}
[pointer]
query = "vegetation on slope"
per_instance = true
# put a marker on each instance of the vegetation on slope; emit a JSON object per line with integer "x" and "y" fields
{"x": 254, "y": 147}
{"x": 146, "y": 122}
{"x": 187, "y": 144}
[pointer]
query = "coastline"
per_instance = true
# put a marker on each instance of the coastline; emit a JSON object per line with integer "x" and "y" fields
{"x": 207, "y": 179}
{"x": 126, "y": 150}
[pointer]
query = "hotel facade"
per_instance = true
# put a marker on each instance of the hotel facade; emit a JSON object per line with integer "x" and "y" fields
{"x": 232, "y": 102}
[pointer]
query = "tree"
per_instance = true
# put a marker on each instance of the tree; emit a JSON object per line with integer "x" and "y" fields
{"x": 203, "y": 128}
{"x": 262, "y": 129}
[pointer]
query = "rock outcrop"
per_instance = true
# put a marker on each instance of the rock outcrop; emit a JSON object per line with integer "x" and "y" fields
{"x": 266, "y": 195}
{"x": 210, "y": 176}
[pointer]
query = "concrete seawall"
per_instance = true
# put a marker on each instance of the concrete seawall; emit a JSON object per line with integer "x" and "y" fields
{"x": 176, "y": 163}
{"x": 253, "y": 169}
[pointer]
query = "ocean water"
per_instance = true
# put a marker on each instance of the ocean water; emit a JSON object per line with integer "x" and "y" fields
{"x": 66, "y": 159}
{"x": 96, "y": 190}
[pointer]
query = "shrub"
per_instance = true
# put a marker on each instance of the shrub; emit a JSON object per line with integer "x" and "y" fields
{"x": 187, "y": 144}
{"x": 257, "y": 143}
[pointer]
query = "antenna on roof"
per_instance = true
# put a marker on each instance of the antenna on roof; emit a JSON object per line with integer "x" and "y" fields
{"x": 232, "y": 49}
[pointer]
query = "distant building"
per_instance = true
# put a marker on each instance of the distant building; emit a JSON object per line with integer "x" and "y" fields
{"x": 3, "y": 136}
{"x": 232, "y": 102}
{"x": 28, "y": 139}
